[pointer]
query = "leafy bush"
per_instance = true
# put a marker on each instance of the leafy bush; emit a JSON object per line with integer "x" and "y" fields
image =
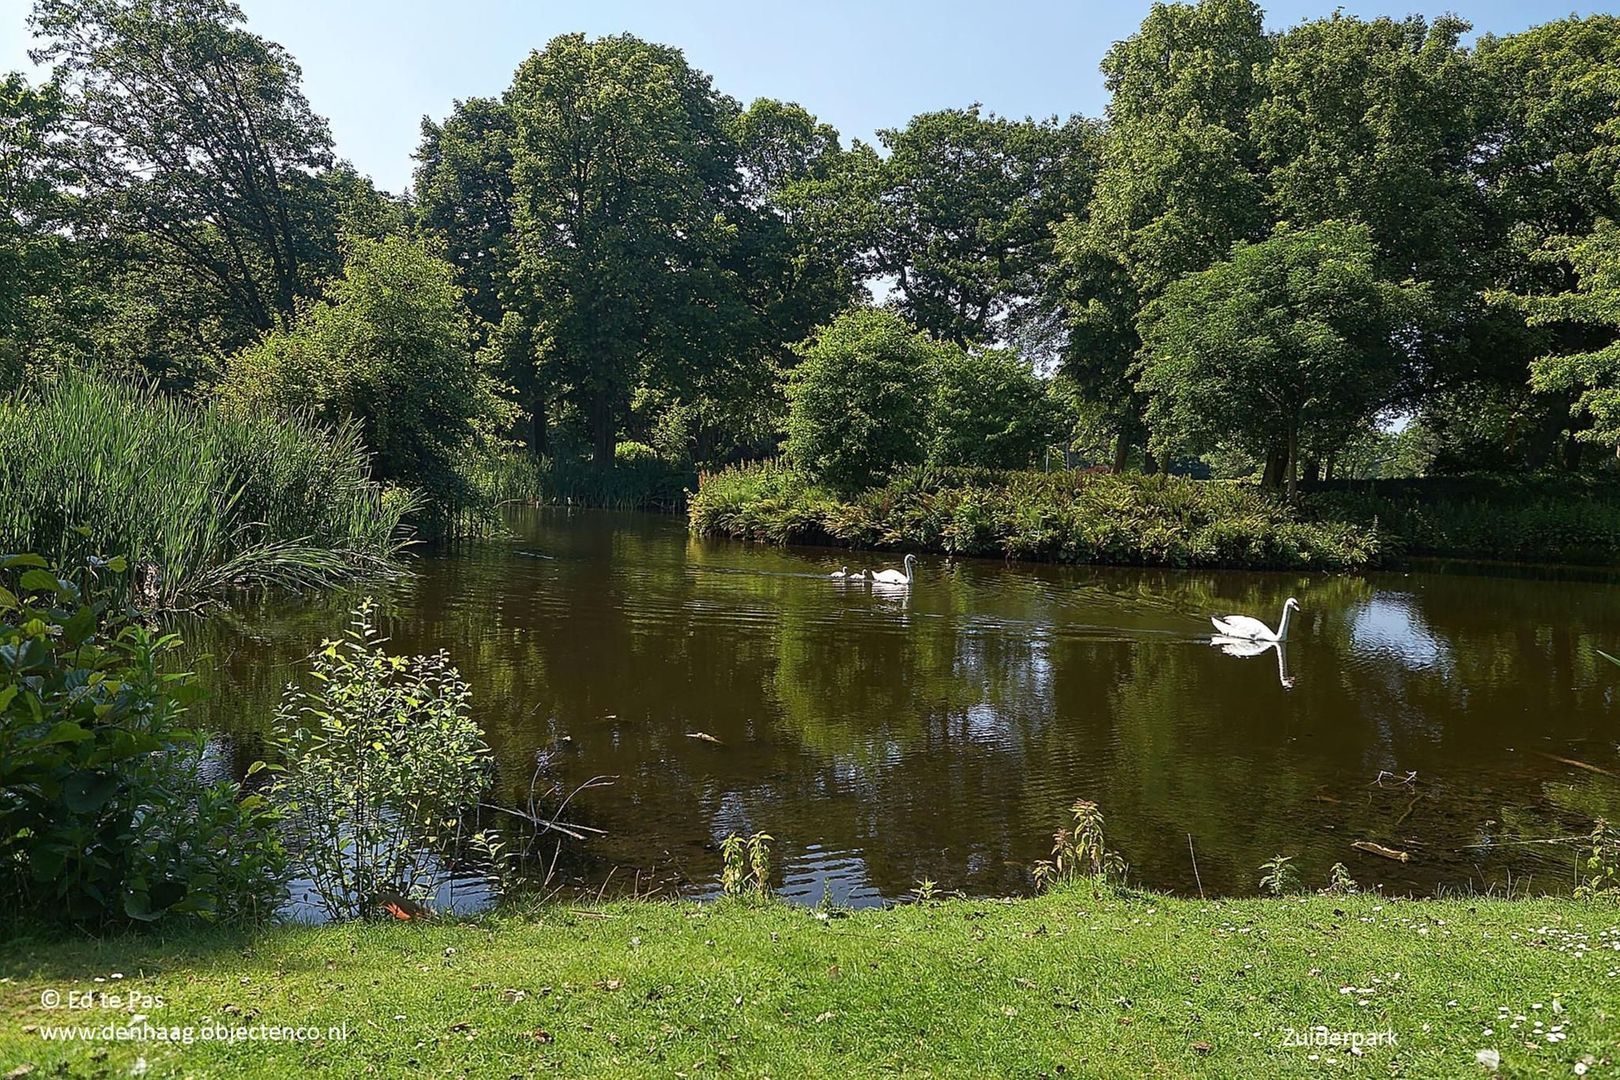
{"x": 388, "y": 349}
{"x": 989, "y": 409}
{"x": 105, "y": 814}
{"x": 380, "y": 758}
{"x": 1068, "y": 516}
{"x": 197, "y": 499}
{"x": 858, "y": 401}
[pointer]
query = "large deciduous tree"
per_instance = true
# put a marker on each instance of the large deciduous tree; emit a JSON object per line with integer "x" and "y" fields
{"x": 195, "y": 134}
{"x": 959, "y": 213}
{"x": 1292, "y": 344}
{"x": 626, "y": 194}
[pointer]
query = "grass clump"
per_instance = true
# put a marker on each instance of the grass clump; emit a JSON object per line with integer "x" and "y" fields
{"x": 1066, "y": 516}
{"x": 194, "y": 499}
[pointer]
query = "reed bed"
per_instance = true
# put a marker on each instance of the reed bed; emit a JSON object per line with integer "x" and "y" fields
{"x": 196, "y": 501}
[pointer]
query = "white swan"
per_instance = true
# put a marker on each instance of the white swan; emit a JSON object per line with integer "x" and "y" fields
{"x": 1241, "y": 626}
{"x": 895, "y": 577}
{"x": 842, "y": 572}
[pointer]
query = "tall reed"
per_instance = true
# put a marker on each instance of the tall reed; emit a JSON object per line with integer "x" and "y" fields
{"x": 193, "y": 499}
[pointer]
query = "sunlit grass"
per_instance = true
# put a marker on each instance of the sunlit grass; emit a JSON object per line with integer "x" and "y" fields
{"x": 1091, "y": 982}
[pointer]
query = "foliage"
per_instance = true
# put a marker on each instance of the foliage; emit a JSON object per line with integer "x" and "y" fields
{"x": 746, "y": 865}
{"x": 959, "y": 212}
{"x": 195, "y": 499}
{"x": 107, "y": 812}
{"x": 988, "y": 409}
{"x": 1590, "y": 376}
{"x": 35, "y": 258}
{"x": 1340, "y": 883}
{"x": 1064, "y": 516}
{"x": 1080, "y": 853}
{"x": 1294, "y": 342}
{"x": 387, "y": 347}
{"x": 1602, "y": 863}
{"x": 629, "y": 211}
{"x": 1279, "y": 876}
{"x": 197, "y": 151}
{"x": 858, "y": 403}
{"x": 1534, "y": 518}
{"x": 380, "y": 758}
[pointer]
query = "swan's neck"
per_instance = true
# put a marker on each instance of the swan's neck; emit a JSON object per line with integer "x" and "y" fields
{"x": 908, "y": 565}
{"x": 1282, "y": 628}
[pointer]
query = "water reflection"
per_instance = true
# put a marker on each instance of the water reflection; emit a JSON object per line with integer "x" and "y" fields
{"x": 1248, "y": 647}
{"x": 885, "y": 735}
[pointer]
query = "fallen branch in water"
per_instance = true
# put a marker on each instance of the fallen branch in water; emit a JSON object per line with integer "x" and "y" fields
{"x": 1380, "y": 849}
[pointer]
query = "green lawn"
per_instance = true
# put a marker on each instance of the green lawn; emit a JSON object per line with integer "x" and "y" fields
{"x": 1077, "y": 982}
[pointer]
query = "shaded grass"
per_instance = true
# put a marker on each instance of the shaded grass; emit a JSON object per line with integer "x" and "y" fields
{"x": 1067, "y": 516}
{"x": 1567, "y": 519}
{"x": 91, "y": 465}
{"x": 1083, "y": 981}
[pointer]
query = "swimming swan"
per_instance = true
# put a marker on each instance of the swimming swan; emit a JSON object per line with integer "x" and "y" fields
{"x": 895, "y": 577}
{"x": 842, "y": 572}
{"x": 1241, "y": 626}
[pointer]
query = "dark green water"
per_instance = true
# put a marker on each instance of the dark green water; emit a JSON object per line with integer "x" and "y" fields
{"x": 885, "y": 735}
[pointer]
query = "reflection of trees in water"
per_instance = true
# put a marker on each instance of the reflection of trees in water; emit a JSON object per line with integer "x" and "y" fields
{"x": 942, "y": 733}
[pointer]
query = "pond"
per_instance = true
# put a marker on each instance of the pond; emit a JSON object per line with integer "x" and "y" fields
{"x": 887, "y": 735}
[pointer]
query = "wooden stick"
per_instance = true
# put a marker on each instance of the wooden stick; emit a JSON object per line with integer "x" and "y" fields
{"x": 1380, "y": 849}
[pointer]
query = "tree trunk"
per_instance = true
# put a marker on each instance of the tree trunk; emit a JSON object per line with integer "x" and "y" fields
{"x": 1313, "y": 470}
{"x": 1122, "y": 450}
{"x": 1271, "y": 479}
{"x": 537, "y": 423}
{"x": 1150, "y": 463}
{"x": 1293, "y": 463}
{"x": 602, "y": 430}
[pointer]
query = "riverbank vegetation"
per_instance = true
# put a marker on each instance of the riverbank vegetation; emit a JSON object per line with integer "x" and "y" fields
{"x": 1083, "y": 980}
{"x": 1379, "y": 249}
{"x": 195, "y": 497}
{"x": 1065, "y": 516}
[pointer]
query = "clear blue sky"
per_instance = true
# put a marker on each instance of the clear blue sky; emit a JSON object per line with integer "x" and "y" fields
{"x": 375, "y": 67}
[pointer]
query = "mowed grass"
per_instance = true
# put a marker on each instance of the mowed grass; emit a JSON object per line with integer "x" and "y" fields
{"x": 1079, "y": 982}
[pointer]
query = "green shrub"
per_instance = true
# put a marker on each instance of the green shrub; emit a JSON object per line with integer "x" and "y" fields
{"x": 380, "y": 758}
{"x": 858, "y": 401}
{"x": 105, "y": 814}
{"x": 989, "y": 409}
{"x": 198, "y": 500}
{"x": 1068, "y": 516}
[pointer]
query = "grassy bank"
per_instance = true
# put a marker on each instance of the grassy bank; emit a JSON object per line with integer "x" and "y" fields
{"x": 89, "y": 465}
{"x": 1520, "y": 518}
{"x": 1082, "y": 982}
{"x": 1059, "y": 516}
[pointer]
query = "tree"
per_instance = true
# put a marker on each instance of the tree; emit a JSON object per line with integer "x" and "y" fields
{"x": 1177, "y": 183}
{"x": 1589, "y": 376}
{"x": 960, "y": 213}
{"x": 1292, "y": 343}
{"x": 194, "y": 145}
{"x": 625, "y": 191}
{"x": 387, "y": 345}
{"x": 858, "y": 402}
{"x": 463, "y": 198}
{"x": 34, "y": 209}
{"x": 988, "y": 409}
